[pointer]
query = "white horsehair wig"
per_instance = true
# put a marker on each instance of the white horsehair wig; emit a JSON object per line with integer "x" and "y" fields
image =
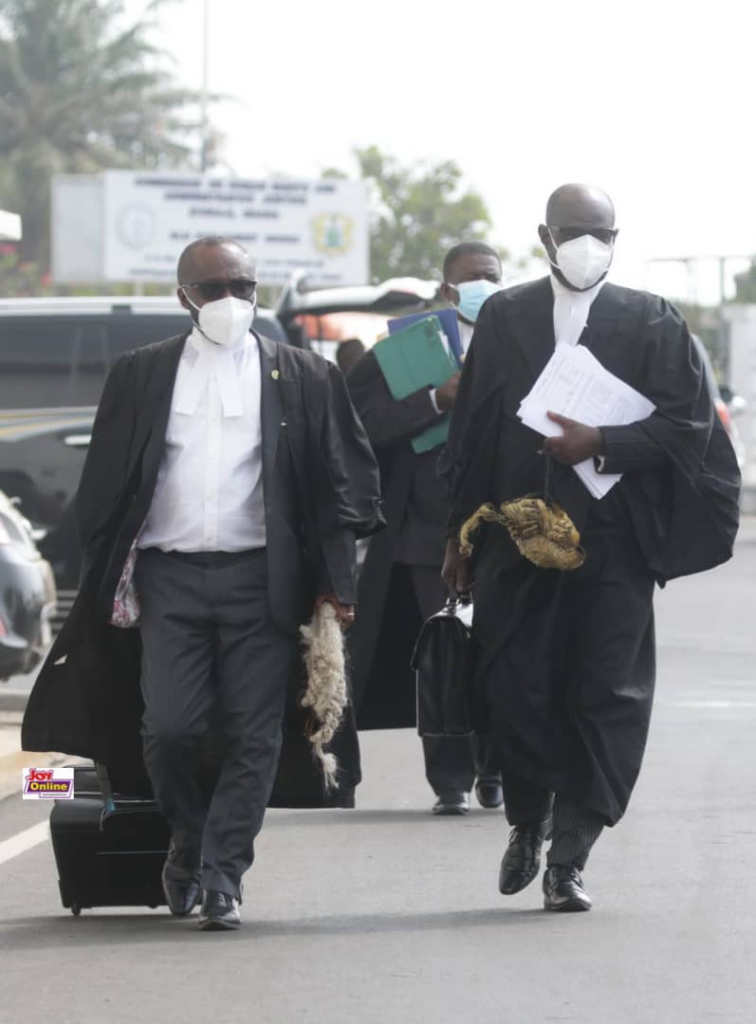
{"x": 326, "y": 694}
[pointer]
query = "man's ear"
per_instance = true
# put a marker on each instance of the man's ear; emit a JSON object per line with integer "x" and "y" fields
{"x": 183, "y": 299}
{"x": 545, "y": 236}
{"x": 449, "y": 293}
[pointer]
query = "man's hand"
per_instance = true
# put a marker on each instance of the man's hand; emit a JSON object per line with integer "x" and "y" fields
{"x": 344, "y": 612}
{"x": 576, "y": 444}
{"x": 446, "y": 395}
{"x": 456, "y": 572}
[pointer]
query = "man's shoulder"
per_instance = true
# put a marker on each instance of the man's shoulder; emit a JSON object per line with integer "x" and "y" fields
{"x": 155, "y": 349}
{"x": 300, "y": 361}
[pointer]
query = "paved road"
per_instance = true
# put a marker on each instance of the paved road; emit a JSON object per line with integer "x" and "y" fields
{"x": 385, "y": 914}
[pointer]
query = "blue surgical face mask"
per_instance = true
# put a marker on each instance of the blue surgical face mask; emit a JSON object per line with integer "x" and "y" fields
{"x": 472, "y": 295}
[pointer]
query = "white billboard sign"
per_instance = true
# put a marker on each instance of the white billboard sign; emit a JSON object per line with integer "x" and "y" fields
{"x": 318, "y": 226}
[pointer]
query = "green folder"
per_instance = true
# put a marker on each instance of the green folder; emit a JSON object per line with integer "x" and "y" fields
{"x": 417, "y": 358}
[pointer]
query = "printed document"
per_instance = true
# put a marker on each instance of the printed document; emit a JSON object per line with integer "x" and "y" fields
{"x": 575, "y": 384}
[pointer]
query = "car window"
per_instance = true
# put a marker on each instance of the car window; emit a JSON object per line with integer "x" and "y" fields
{"x": 54, "y": 362}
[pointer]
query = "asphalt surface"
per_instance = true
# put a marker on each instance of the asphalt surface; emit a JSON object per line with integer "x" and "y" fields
{"x": 386, "y": 914}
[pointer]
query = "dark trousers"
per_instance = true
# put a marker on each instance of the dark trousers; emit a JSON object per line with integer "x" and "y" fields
{"x": 209, "y": 647}
{"x": 451, "y": 762}
{"x": 574, "y": 829}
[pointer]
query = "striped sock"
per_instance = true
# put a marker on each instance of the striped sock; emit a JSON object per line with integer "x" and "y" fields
{"x": 575, "y": 830}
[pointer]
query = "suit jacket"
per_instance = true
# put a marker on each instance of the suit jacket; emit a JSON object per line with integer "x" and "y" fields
{"x": 681, "y": 480}
{"x": 416, "y": 504}
{"x": 321, "y": 491}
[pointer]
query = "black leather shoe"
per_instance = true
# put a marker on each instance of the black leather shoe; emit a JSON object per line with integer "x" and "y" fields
{"x": 219, "y": 913}
{"x": 181, "y": 880}
{"x": 489, "y": 793}
{"x": 452, "y": 802}
{"x": 522, "y": 859}
{"x": 563, "y": 890}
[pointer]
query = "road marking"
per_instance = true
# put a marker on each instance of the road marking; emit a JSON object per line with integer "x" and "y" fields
{"x": 24, "y": 841}
{"x": 712, "y": 705}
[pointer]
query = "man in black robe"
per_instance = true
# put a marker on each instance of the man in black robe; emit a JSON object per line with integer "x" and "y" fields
{"x": 400, "y": 584}
{"x": 566, "y": 659}
{"x": 227, "y": 477}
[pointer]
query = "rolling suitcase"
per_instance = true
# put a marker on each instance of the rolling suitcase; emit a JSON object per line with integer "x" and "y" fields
{"x": 109, "y": 849}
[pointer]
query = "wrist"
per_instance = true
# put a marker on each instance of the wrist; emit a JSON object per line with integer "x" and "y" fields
{"x": 599, "y": 443}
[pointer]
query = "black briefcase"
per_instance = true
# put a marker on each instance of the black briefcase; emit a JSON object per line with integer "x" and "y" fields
{"x": 109, "y": 848}
{"x": 443, "y": 669}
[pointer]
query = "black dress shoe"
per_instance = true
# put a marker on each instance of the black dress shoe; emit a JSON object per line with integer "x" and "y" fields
{"x": 452, "y": 802}
{"x": 563, "y": 890}
{"x": 219, "y": 913}
{"x": 522, "y": 859}
{"x": 489, "y": 793}
{"x": 181, "y": 880}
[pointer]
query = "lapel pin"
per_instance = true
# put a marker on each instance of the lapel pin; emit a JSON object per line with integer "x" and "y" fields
{"x": 275, "y": 374}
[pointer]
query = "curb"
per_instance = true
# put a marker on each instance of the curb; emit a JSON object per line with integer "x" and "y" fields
{"x": 13, "y": 700}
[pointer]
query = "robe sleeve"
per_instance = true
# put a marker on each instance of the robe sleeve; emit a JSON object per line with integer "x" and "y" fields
{"x": 388, "y": 420}
{"x": 104, "y": 476}
{"x": 468, "y": 462}
{"x": 349, "y": 461}
{"x": 673, "y": 378}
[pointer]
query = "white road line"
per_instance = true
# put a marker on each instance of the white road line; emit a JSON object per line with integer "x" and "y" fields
{"x": 24, "y": 841}
{"x": 712, "y": 705}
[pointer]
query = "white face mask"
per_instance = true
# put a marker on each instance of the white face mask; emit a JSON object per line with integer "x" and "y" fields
{"x": 225, "y": 321}
{"x": 583, "y": 261}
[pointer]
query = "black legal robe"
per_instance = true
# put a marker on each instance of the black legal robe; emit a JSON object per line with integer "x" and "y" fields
{"x": 321, "y": 491}
{"x": 416, "y": 506}
{"x": 562, "y": 720}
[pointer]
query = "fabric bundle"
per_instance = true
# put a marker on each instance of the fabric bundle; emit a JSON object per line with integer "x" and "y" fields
{"x": 542, "y": 531}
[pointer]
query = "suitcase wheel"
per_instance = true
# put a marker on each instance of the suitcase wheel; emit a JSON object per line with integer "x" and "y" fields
{"x": 75, "y": 909}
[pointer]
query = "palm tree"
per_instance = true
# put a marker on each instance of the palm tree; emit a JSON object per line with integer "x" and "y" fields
{"x": 79, "y": 93}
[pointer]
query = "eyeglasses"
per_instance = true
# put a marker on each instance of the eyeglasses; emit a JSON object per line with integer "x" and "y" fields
{"x": 211, "y": 291}
{"x": 605, "y": 235}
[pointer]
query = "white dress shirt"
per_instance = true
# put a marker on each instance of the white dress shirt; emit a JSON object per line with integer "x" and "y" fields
{"x": 465, "y": 337}
{"x": 209, "y": 491}
{"x": 571, "y": 311}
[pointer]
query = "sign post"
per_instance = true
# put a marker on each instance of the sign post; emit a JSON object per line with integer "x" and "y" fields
{"x": 320, "y": 226}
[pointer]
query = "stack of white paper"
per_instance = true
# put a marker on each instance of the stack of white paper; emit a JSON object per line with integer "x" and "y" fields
{"x": 575, "y": 384}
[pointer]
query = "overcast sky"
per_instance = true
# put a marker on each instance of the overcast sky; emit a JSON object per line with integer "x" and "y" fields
{"x": 653, "y": 101}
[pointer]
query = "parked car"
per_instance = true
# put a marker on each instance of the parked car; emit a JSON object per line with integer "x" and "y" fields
{"x": 27, "y": 595}
{"x": 56, "y": 353}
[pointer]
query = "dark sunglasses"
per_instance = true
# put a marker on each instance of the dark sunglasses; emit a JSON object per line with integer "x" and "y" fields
{"x": 605, "y": 235}
{"x": 211, "y": 291}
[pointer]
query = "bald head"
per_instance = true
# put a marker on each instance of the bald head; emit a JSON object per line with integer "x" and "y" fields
{"x": 201, "y": 259}
{"x": 572, "y": 212}
{"x": 576, "y": 206}
{"x": 212, "y": 268}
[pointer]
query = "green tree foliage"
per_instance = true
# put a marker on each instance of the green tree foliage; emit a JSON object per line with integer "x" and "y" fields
{"x": 79, "y": 92}
{"x": 745, "y": 285}
{"x": 418, "y": 213}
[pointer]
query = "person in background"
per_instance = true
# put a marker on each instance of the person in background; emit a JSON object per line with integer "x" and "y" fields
{"x": 566, "y": 658}
{"x": 347, "y": 354}
{"x": 400, "y": 585}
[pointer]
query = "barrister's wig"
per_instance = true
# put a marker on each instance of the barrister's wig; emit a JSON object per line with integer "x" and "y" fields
{"x": 542, "y": 531}
{"x": 326, "y": 694}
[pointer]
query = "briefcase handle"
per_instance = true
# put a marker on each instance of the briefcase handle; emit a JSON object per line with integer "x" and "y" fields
{"x": 455, "y": 601}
